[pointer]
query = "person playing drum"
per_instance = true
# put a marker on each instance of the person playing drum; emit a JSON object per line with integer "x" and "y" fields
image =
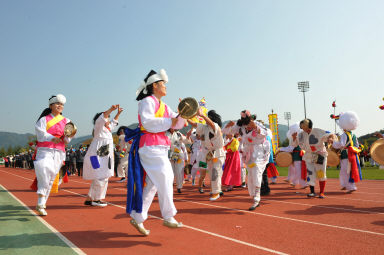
{"x": 350, "y": 171}
{"x": 312, "y": 140}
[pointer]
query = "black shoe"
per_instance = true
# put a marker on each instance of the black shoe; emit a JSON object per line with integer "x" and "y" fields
{"x": 87, "y": 202}
{"x": 178, "y": 190}
{"x": 221, "y": 193}
{"x": 201, "y": 190}
{"x": 253, "y": 207}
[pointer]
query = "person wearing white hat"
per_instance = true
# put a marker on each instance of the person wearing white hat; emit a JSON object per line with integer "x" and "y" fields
{"x": 350, "y": 171}
{"x": 297, "y": 168}
{"x": 155, "y": 118}
{"x": 50, "y": 152}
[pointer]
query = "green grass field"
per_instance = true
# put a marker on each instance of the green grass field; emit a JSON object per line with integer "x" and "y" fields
{"x": 369, "y": 173}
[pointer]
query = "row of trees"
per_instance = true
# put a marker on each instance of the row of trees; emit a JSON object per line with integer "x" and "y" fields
{"x": 13, "y": 150}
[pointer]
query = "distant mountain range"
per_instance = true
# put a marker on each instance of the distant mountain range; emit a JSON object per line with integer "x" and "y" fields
{"x": 8, "y": 139}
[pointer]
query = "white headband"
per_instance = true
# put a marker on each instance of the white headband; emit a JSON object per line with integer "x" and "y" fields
{"x": 59, "y": 98}
{"x": 161, "y": 76}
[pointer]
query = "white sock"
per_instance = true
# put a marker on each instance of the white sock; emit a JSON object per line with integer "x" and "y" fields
{"x": 41, "y": 200}
{"x": 172, "y": 220}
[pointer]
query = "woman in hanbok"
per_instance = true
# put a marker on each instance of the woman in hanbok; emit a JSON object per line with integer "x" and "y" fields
{"x": 152, "y": 146}
{"x": 232, "y": 166}
{"x": 99, "y": 159}
{"x": 50, "y": 151}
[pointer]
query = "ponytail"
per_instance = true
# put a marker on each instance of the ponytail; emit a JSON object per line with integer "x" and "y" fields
{"x": 45, "y": 112}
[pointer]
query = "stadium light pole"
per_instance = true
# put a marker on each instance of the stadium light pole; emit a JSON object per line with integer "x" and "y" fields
{"x": 287, "y": 116}
{"x": 303, "y": 86}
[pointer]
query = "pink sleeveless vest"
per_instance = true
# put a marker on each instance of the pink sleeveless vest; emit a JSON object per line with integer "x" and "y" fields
{"x": 56, "y": 130}
{"x": 150, "y": 139}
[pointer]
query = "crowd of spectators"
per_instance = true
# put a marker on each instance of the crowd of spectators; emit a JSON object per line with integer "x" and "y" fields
{"x": 74, "y": 159}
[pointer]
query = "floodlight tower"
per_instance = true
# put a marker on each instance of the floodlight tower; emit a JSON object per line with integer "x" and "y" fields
{"x": 287, "y": 116}
{"x": 303, "y": 86}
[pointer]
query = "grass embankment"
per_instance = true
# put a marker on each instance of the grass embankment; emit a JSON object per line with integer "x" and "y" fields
{"x": 369, "y": 173}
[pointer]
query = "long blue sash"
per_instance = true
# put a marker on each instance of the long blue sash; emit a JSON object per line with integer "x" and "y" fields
{"x": 135, "y": 172}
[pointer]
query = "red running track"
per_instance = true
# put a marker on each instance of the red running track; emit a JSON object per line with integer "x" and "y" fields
{"x": 287, "y": 222}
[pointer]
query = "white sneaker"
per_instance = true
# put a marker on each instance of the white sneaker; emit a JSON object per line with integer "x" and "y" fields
{"x": 99, "y": 203}
{"x": 41, "y": 211}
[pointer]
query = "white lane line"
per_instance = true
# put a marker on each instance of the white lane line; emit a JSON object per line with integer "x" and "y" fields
{"x": 269, "y": 215}
{"x": 200, "y": 230}
{"x": 55, "y": 231}
{"x": 356, "y": 199}
{"x": 286, "y": 218}
{"x": 187, "y": 226}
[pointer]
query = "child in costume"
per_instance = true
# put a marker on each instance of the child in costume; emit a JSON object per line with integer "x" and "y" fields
{"x": 196, "y": 148}
{"x": 149, "y": 152}
{"x": 350, "y": 171}
{"x": 311, "y": 140}
{"x": 123, "y": 148}
{"x": 178, "y": 156}
{"x": 50, "y": 151}
{"x": 99, "y": 159}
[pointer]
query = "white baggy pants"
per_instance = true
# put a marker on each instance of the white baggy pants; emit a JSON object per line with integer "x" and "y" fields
{"x": 178, "y": 171}
{"x": 122, "y": 168}
{"x": 345, "y": 170}
{"x": 155, "y": 162}
{"x": 98, "y": 189}
{"x": 296, "y": 180}
{"x": 255, "y": 177}
{"x": 47, "y": 165}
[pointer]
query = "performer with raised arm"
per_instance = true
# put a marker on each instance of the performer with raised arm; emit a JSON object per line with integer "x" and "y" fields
{"x": 50, "y": 152}
{"x": 256, "y": 150}
{"x": 212, "y": 153}
{"x": 99, "y": 160}
{"x": 312, "y": 140}
{"x": 149, "y": 153}
{"x": 123, "y": 148}
{"x": 350, "y": 171}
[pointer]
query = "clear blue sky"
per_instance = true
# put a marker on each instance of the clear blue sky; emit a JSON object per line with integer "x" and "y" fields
{"x": 238, "y": 54}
